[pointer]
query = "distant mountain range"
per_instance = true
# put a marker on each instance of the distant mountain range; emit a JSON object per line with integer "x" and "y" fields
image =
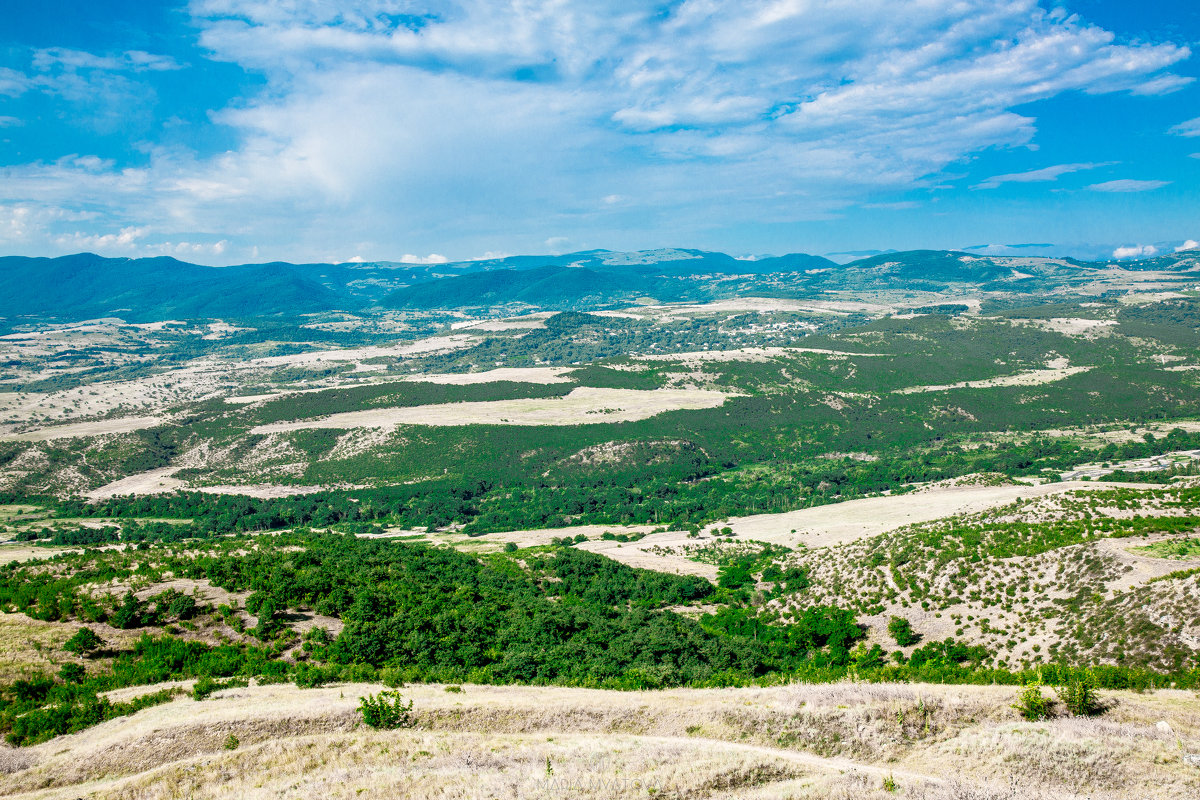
{"x": 87, "y": 286}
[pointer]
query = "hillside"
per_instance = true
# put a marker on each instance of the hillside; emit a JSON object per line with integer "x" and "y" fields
{"x": 649, "y": 482}
{"x": 843, "y": 741}
{"x": 85, "y": 286}
{"x": 540, "y": 287}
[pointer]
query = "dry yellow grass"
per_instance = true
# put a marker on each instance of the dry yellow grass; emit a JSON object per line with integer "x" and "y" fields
{"x": 515, "y": 374}
{"x": 1034, "y": 377}
{"x": 79, "y": 429}
{"x": 28, "y": 645}
{"x": 838, "y": 740}
{"x": 581, "y": 406}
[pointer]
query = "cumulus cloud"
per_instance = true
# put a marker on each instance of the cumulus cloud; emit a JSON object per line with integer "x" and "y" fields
{"x": 1190, "y": 244}
{"x": 432, "y": 258}
{"x": 490, "y": 123}
{"x": 1127, "y": 185}
{"x": 1136, "y": 251}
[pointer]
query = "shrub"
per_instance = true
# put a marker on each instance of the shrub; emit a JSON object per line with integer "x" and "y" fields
{"x": 901, "y": 630}
{"x": 386, "y": 710}
{"x": 129, "y": 614}
{"x": 72, "y": 673}
{"x": 183, "y": 606}
{"x": 1079, "y": 695}
{"x": 231, "y": 742}
{"x": 207, "y": 685}
{"x": 733, "y": 577}
{"x": 1031, "y": 704}
{"x": 268, "y": 620}
{"x": 84, "y": 642}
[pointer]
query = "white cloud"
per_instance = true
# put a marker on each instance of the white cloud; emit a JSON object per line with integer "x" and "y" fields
{"x": 124, "y": 241}
{"x": 10, "y": 122}
{"x": 13, "y": 83}
{"x": 1127, "y": 185}
{"x": 432, "y": 258}
{"x": 901, "y": 205}
{"x": 1037, "y": 175}
{"x": 1137, "y": 251}
{"x": 494, "y": 123}
{"x": 1190, "y": 244}
{"x": 1189, "y": 128}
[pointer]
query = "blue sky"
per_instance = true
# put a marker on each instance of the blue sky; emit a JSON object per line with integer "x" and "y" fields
{"x": 225, "y": 131}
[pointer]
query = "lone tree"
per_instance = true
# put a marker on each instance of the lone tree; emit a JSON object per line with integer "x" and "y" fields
{"x": 901, "y": 631}
{"x": 84, "y": 642}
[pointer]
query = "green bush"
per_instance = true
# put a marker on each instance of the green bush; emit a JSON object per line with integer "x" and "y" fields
{"x": 231, "y": 742}
{"x": 1031, "y": 704}
{"x": 901, "y": 630}
{"x": 1079, "y": 695}
{"x": 84, "y": 642}
{"x": 72, "y": 673}
{"x": 386, "y": 710}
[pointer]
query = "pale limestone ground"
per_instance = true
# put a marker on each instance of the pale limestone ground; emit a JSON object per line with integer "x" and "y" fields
{"x": 840, "y": 523}
{"x": 529, "y": 321}
{"x": 799, "y": 741}
{"x": 753, "y": 354}
{"x": 740, "y": 304}
{"x": 581, "y": 406}
{"x": 1035, "y": 377}
{"x": 530, "y": 538}
{"x": 1144, "y": 567}
{"x": 1129, "y": 433}
{"x": 433, "y": 344}
{"x": 155, "y": 481}
{"x": 670, "y": 559}
{"x": 515, "y": 374}
{"x": 79, "y": 429}
{"x": 1073, "y": 326}
{"x": 269, "y": 491}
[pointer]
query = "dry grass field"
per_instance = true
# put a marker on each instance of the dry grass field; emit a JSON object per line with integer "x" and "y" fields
{"x": 841, "y": 740}
{"x": 1035, "y": 377}
{"x": 581, "y": 406}
{"x": 514, "y": 374}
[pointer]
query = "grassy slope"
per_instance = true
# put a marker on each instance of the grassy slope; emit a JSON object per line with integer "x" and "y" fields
{"x": 840, "y": 740}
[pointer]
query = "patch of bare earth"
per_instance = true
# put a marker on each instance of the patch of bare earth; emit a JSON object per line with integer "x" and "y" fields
{"x": 581, "y": 406}
{"x": 81, "y": 429}
{"x": 839, "y": 523}
{"x": 541, "y": 375}
{"x": 1035, "y": 377}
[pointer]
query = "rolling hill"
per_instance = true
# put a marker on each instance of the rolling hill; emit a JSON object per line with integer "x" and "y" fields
{"x": 87, "y": 286}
